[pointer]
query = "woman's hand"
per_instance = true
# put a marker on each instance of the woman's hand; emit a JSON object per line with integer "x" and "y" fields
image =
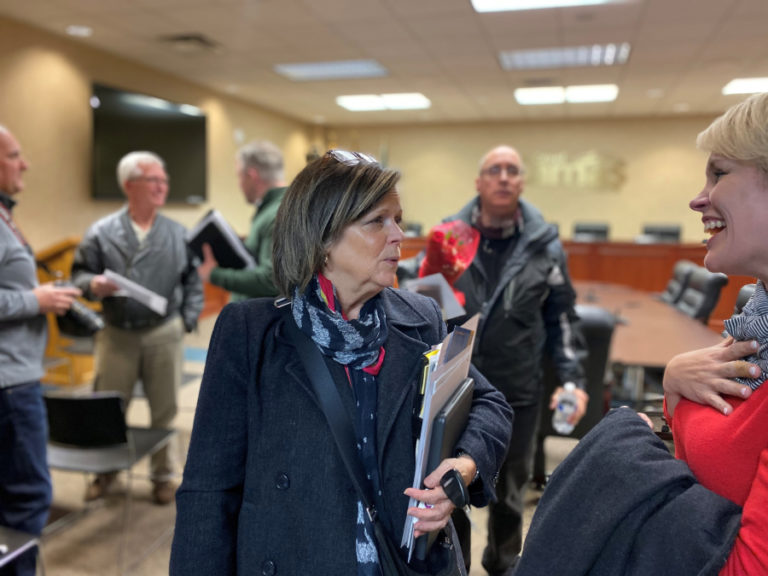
{"x": 582, "y": 399}
{"x": 438, "y": 509}
{"x": 705, "y": 375}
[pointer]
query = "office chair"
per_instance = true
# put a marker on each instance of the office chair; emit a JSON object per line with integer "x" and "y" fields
{"x": 89, "y": 434}
{"x": 745, "y": 293}
{"x": 590, "y": 232}
{"x": 702, "y": 293}
{"x": 681, "y": 274}
{"x": 660, "y": 233}
{"x": 593, "y": 331}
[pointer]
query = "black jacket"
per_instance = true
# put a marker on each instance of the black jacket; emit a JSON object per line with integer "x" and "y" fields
{"x": 529, "y": 311}
{"x": 265, "y": 490}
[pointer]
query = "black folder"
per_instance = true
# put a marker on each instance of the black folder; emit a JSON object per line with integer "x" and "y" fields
{"x": 447, "y": 428}
{"x": 228, "y": 249}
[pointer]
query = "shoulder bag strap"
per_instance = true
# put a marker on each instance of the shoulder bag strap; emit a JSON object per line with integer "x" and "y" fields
{"x": 330, "y": 402}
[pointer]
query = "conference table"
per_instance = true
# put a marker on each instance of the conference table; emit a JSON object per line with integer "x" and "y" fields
{"x": 648, "y": 333}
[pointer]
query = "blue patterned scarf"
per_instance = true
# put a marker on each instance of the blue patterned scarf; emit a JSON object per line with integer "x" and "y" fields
{"x": 752, "y": 324}
{"x": 353, "y": 343}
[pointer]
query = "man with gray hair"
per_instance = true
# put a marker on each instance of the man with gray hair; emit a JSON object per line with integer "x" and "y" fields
{"x": 138, "y": 343}
{"x": 260, "y": 173}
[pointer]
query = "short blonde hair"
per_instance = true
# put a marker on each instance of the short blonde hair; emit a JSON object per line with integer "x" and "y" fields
{"x": 741, "y": 133}
{"x": 325, "y": 198}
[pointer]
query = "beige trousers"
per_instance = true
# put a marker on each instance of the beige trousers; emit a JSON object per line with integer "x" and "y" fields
{"x": 153, "y": 355}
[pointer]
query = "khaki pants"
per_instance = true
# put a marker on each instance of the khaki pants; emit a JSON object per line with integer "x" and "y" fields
{"x": 153, "y": 355}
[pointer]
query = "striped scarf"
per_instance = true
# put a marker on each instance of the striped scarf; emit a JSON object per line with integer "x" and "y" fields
{"x": 752, "y": 324}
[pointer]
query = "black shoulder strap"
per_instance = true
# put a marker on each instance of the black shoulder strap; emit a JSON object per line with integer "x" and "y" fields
{"x": 330, "y": 402}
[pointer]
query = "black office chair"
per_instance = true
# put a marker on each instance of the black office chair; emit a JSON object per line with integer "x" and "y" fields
{"x": 745, "y": 293}
{"x": 702, "y": 293}
{"x": 89, "y": 434}
{"x": 677, "y": 284}
{"x": 660, "y": 233}
{"x": 594, "y": 330}
{"x": 590, "y": 232}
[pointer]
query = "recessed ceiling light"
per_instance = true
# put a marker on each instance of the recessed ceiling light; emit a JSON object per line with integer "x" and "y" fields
{"x": 79, "y": 31}
{"x": 572, "y": 94}
{"x": 406, "y": 101}
{"x": 746, "y": 86}
{"x": 540, "y": 95}
{"x": 591, "y": 93}
{"x": 681, "y": 107}
{"x": 367, "y": 102}
{"x": 507, "y": 5}
{"x": 655, "y": 93}
{"x": 331, "y": 70}
{"x": 567, "y": 57}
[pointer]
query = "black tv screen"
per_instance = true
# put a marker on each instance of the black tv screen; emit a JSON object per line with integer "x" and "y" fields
{"x": 125, "y": 122}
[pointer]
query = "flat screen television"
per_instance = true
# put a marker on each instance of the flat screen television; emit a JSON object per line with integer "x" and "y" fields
{"x": 124, "y": 122}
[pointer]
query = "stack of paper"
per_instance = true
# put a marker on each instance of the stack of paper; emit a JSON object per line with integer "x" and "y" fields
{"x": 450, "y": 372}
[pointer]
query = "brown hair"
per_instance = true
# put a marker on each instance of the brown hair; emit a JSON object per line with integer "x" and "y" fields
{"x": 326, "y": 196}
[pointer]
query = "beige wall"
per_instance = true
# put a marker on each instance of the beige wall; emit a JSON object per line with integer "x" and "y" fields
{"x": 662, "y": 167}
{"x": 46, "y": 82}
{"x": 46, "y": 85}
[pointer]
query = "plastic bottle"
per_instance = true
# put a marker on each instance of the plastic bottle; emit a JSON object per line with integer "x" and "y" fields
{"x": 566, "y": 405}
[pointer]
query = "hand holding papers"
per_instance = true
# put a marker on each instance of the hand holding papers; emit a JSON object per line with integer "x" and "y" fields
{"x": 227, "y": 247}
{"x": 152, "y": 300}
{"x": 447, "y": 400}
{"x": 436, "y": 287}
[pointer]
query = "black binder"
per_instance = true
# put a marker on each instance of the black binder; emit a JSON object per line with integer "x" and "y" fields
{"x": 228, "y": 249}
{"x": 447, "y": 428}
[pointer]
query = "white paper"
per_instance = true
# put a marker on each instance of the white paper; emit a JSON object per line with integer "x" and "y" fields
{"x": 152, "y": 300}
{"x": 437, "y": 287}
{"x": 452, "y": 368}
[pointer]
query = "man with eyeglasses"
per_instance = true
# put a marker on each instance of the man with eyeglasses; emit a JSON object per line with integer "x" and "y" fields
{"x": 260, "y": 174}
{"x": 138, "y": 343}
{"x": 518, "y": 282}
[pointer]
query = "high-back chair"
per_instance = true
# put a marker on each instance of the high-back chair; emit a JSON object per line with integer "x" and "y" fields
{"x": 745, "y": 293}
{"x": 595, "y": 330}
{"x": 677, "y": 284}
{"x": 590, "y": 232}
{"x": 89, "y": 434}
{"x": 702, "y": 293}
{"x": 658, "y": 233}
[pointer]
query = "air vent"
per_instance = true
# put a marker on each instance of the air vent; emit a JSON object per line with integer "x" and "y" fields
{"x": 191, "y": 43}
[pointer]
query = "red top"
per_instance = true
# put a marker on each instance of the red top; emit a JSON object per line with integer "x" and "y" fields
{"x": 729, "y": 455}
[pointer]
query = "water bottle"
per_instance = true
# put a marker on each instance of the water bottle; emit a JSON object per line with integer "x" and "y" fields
{"x": 566, "y": 405}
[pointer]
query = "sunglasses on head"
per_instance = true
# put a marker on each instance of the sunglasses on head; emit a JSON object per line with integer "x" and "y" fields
{"x": 350, "y": 158}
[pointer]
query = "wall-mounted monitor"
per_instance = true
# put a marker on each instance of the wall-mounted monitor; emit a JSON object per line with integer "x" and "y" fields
{"x": 125, "y": 121}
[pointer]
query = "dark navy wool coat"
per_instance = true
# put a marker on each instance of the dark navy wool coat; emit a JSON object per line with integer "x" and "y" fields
{"x": 264, "y": 489}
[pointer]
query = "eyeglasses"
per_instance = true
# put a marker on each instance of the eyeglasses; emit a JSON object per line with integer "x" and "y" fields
{"x": 496, "y": 169}
{"x": 350, "y": 158}
{"x": 153, "y": 180}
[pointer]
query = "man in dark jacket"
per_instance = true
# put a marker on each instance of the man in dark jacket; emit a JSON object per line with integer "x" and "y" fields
{"x": 260, "y": 173}
{"x": 141, "y": 244}
{"x": 518, "y": 282}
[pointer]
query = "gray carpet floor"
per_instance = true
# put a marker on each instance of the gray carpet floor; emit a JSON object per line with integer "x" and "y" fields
{"x": 99, "y": 539}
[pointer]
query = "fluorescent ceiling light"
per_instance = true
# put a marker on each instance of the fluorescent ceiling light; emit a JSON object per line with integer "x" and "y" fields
{"x": 746, "y": 86}
{"x": 539, "y": 96}
{"x": 366, "y": 102}
{"x": 572, "y": 94}
{"x": 79, "y": 31}
{"x": 507, "y": 5}
{"x": 406, "y": 101}
{"x": 331, "y": 70}
{"x": 591, "y": 93}
{"x": 567, "y": 57}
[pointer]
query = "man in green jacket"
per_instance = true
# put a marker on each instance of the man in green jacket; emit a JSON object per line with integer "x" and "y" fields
{"x": 260, "y": 172}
